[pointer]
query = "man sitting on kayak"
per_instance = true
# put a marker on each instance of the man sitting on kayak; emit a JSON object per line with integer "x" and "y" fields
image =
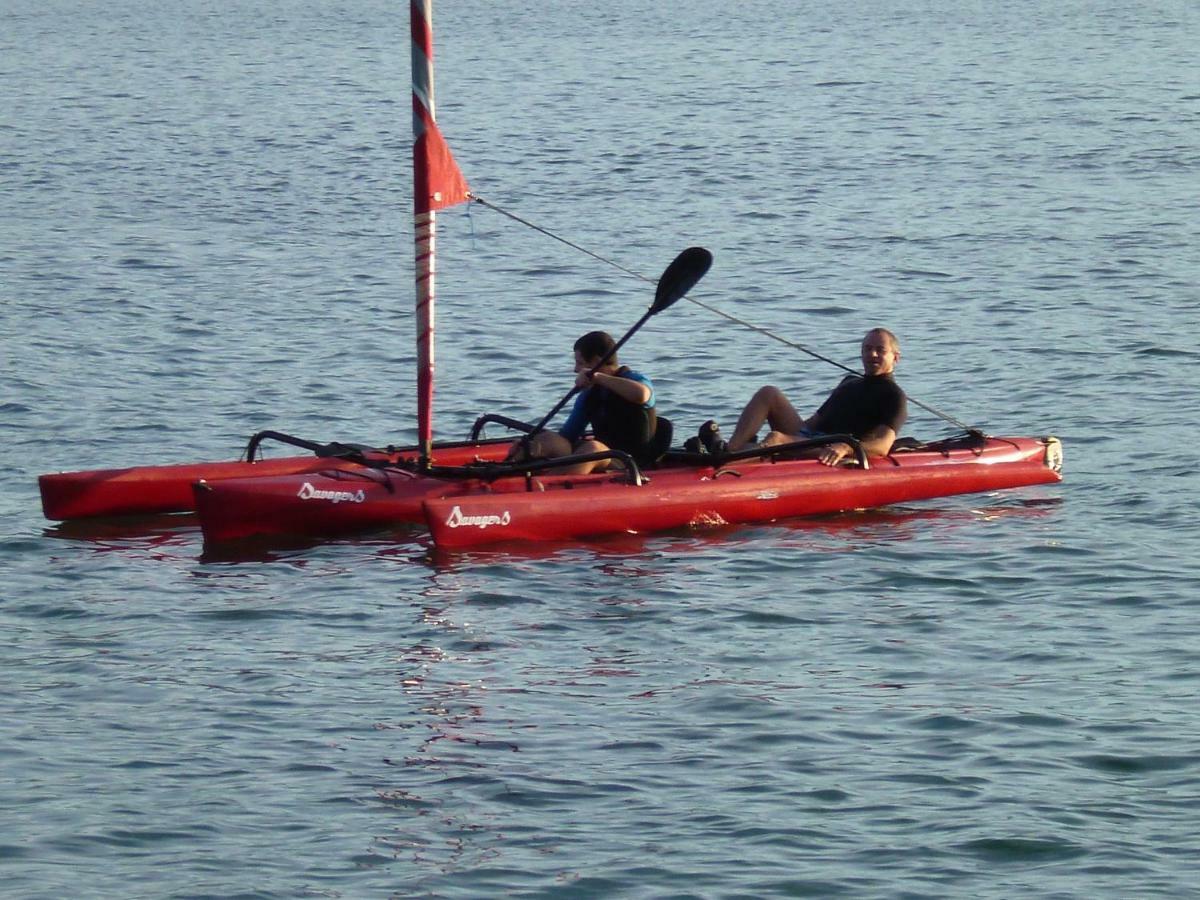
{"x": 871, "y": 406}
{"x": 617, "y": 402}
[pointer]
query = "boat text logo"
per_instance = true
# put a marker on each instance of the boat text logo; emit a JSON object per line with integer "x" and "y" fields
{"x": 457, "y": 519}
{"x": 308, "y": 492}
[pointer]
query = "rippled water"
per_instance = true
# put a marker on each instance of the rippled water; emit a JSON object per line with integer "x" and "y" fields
{"x": 206, "y": 233}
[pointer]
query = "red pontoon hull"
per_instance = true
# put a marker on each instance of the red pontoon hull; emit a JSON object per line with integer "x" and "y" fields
{"x": 749, "y": 491}
{"x": 148, "y": 490}
{"x": 321, "y": 504}
{"x": 473, "y": 512}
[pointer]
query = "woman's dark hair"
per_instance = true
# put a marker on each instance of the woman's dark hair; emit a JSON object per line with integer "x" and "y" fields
{"x": 596, "y": 344}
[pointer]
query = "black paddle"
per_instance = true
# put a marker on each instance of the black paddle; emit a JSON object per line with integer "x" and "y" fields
{"x": 676, "y": 280}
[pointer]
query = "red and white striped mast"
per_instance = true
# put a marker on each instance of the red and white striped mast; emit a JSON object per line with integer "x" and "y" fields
{"x": 437, "y": 183}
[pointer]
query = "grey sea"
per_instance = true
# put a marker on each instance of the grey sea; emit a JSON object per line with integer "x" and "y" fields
{"x": 206, "y": 231}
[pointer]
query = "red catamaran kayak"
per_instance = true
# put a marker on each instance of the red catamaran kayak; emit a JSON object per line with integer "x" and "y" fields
{"x": 475, "y": 511}
{"x": 466, "y": 503}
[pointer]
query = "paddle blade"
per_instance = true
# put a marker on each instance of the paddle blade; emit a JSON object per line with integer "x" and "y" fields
{"x": 681, "y": 276}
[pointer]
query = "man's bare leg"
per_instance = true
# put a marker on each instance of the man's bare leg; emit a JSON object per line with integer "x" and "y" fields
{"x": 770, "y": 406}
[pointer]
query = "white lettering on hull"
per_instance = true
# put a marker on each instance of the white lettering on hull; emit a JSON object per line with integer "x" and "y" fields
{"x": 308, "y": 492}
{"x": 459, "y": 519}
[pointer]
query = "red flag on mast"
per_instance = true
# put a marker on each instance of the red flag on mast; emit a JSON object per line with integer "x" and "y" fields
{"x": 437, "y": 182}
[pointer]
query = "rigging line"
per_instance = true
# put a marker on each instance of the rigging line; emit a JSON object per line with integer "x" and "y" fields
{"x": 561, "y": 240}
{"x": 797, "y": 346}
{"x": 638, "y": 275}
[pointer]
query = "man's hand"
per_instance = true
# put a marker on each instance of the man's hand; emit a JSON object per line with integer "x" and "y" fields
{"x": 834, "y": 454}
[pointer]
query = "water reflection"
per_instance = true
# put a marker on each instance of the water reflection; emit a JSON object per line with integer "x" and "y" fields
{"x": 162, "y": 536}
{"x": 440, "y": 727}
{"x": 618, "y": 555}
{"x": 146, "y": 529}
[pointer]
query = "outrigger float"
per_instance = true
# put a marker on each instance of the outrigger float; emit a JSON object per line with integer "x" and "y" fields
{"x": 467, "y": 495}
{"x": 152, "y": 490}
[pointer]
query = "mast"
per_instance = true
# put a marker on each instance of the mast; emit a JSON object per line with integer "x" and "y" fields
{"x": 437, "y": 183}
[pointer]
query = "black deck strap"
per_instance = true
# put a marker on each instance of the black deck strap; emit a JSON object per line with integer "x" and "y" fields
{"x": 971, "y": 439}
{"x": 907, "y": 445}
{"x": 491, "y": 471}
{"x": 337, "y": 450}
{"x": 780, "y": 450}
{"x": 687, "y": 458}
{"x": 381, "y": 475}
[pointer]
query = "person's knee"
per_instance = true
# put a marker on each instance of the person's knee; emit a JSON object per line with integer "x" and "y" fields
{"x": 596, "y": 465}
{"x": 768, "y": 395}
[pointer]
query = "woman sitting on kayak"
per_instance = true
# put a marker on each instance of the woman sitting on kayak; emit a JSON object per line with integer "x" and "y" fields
{"x": 617, "y": 402}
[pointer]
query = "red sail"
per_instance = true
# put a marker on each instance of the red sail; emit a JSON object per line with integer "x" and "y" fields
{"x": 438, "y": 182}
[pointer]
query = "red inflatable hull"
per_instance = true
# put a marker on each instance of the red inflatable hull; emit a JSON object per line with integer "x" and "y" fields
{"x": 471, "y": 513}
{"x": 748, "y": 491}
{"x": 148, "y": 490}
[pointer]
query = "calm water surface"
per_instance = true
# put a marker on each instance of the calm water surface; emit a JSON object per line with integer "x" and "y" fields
{"x": 206, "y": 232}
